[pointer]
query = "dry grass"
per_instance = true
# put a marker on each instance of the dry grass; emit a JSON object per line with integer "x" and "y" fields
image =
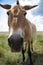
{"x": 9, "y": 58}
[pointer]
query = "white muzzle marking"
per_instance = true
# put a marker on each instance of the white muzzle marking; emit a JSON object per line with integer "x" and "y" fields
{"x": 18, "y": 32}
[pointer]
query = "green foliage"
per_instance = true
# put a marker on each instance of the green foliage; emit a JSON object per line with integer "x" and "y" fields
{"x": 9, "y": 58}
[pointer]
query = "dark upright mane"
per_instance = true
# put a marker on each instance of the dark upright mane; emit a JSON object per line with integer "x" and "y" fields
{"x": 17, "y": 2}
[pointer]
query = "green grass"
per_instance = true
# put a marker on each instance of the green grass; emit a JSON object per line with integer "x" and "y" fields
{"x": 9, "y": 58}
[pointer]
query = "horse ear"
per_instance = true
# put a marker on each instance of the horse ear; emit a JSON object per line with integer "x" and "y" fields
{"x": 5, "y": 6}
{"x": 27, "y": 7}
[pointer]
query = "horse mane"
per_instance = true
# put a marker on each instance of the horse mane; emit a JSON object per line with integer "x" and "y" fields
{"x": 17, "y": 2}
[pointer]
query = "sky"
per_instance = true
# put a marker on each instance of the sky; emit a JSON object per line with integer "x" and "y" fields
{"x": 34, "y": 15}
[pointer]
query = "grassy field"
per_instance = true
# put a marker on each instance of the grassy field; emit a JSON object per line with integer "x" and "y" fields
{"x": 9, "y": 58}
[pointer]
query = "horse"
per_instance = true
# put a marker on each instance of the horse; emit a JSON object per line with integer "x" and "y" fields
{"x": 20, "y": 28}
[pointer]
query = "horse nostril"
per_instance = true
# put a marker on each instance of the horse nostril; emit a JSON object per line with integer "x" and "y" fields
{"x": 21, "y": 40}
{"x": 9, "y": 41}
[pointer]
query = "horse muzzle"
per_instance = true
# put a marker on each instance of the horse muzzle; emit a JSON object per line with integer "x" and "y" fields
{"x": 15, "y": 42}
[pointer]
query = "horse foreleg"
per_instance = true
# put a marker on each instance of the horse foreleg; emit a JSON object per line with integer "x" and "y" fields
{"x": 32, "y": 45}
{"x": 23, "y": 51}
{"x": 29, "y": 54}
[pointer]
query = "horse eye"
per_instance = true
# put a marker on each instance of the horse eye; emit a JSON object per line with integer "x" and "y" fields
{"x": 25, "y": 13}
{"x": 8, "y": 13}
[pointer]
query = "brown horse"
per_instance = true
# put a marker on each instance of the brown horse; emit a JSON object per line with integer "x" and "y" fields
{"x": 21, "y": 30}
